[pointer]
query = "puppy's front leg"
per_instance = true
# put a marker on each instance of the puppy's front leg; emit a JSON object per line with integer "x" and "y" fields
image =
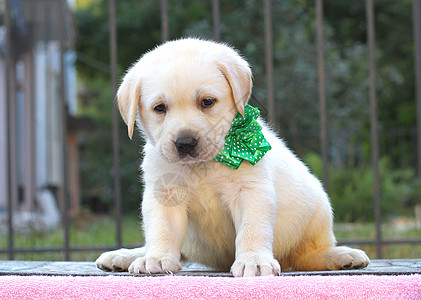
{"x": 165, "y": 228}
{"x": 254, "y": 218}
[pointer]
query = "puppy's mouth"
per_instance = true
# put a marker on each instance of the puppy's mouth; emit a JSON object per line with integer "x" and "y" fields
{"x": 186, "y": 157}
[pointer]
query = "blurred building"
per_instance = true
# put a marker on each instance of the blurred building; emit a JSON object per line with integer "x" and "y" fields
{"x": 38, "y": 145}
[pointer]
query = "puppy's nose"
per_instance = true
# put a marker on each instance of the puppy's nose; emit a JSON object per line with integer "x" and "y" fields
{"x": 186, "y": 144}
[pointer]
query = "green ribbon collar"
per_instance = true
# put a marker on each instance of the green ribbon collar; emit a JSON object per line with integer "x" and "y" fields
{"x": 244, "y": 141}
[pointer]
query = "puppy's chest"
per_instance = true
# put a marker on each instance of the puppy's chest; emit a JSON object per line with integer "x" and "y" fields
{"x": 205, "y": 201}
{"x": 207, "y": 210}
{"x": 210, "y": 187}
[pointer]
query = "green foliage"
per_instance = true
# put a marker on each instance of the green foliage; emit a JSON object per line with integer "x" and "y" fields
{"x": 395, "y": 65}
{"x": 351, "y": 190}
{"x": 96, "y": 161}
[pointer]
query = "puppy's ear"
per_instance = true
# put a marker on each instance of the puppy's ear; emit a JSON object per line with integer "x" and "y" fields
{"x": 238, "y": 74}
{"x": 128, "y": 98}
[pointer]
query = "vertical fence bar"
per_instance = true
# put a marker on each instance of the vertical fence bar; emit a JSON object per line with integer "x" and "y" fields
{"x": 11, "y": 132}
{"x": 322, "y": 92}
{"x": 216, "y": 20}
{"x": 64, "y": 113}
{"x": 164, "y": 20}
{"x": 29, "y": 177}
{"x": 417, "y": 52}
{"x": 115, "y": 119}
{"x": 269, "y": 62}
{"x": 374, "y": 132}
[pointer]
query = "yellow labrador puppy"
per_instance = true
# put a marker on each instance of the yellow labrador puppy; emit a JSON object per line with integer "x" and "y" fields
{"x": 251, "y": 215}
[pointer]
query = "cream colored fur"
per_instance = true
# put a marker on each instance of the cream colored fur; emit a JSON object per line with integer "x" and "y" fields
{"x": 252, "y": 220}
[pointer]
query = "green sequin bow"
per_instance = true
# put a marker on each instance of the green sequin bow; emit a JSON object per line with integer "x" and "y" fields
{"x": 244, "y": 141}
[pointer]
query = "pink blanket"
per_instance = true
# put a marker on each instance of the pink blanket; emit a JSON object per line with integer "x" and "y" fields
{"x": 192, "y": 287}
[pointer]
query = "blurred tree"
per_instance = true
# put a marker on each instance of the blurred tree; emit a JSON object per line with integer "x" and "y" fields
{"x": 395, "y": 71}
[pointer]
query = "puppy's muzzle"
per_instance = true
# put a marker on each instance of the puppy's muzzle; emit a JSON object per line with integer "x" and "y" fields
{"x": 186, "y": 145}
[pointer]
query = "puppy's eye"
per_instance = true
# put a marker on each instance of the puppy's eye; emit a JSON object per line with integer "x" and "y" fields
{"x": 208, "y": 102}
{"x": 160, "y": 109}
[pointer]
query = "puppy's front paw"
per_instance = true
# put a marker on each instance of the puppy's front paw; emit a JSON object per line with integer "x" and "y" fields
{"x": 255, "y": 264}
{"x": 118, "y": 260}
{"x": 155, "y": 264}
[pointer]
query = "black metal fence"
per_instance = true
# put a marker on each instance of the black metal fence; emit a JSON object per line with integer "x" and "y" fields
{"x": 378, "y": 241}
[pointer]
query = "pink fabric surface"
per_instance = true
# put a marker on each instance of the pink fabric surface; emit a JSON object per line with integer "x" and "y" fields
{"x": 191, "y": 287}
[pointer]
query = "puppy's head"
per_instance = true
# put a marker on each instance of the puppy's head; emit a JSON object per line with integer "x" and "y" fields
{"x": 186, "y": 94}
